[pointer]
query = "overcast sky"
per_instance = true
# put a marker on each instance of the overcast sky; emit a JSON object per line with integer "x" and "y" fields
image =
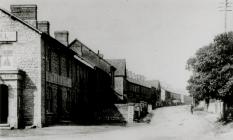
{"x": 156, "y": 37}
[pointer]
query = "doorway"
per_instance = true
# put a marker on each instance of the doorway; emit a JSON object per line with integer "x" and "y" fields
{"x": 3, "y": 103}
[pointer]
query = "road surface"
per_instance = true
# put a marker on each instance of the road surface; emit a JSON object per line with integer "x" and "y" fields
{"x": 168, "y": 123}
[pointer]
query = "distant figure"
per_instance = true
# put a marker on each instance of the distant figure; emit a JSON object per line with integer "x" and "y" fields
{"x": 192, "y": 108}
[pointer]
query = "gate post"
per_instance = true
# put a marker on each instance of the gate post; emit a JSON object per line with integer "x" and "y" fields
{"x": 130, "y": 113}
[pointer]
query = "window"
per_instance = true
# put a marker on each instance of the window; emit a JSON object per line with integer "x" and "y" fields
{"x": 68, "y": 100}
{"x": 87, "y": 77}
{"x": 84, "y": 75}
{"x": 59, "y": 64}
{"x": 81, "y": 74}
{"x": 0, "y": 61}
{"x": 49, "y": 100}
{"x": 68, "y": 67}
{"x": 112, "y": 79}
{"x": 50, "y": 59}
{"x": 77, "y": 73}
{"x": 59, "y": 101}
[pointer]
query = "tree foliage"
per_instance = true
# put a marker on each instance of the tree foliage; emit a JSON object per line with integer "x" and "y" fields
{"x": 212, "y": 70}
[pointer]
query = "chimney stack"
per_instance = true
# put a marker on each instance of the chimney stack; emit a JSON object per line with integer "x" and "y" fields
{"x": 100, "y": 54}
{"x": 26, "y": 12}
{"x": 62, "y": 36}
{"x": 43, "y": 26}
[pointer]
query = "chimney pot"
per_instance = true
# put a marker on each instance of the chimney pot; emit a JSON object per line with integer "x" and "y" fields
{"x": 100, "y": 55}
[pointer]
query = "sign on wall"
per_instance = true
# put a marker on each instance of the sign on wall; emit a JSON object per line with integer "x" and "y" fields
{"x": 8, "y": 36}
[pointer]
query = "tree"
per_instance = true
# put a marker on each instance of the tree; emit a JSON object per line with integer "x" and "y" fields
{"x": 212, "y": 70}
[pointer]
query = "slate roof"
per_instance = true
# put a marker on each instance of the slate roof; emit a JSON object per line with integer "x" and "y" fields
{"x": 90, "y": 56}
{"x": 120, "y": 65}
{"x": 43, "y": 34}
{"x": 154, "y": 83}
{"x": 139, "y": 82}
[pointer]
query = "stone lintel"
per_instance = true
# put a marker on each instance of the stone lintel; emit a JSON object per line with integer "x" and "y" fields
{"x": 11, "y": 74}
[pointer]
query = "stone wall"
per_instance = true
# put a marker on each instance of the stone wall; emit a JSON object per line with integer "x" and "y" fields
{"x": 215, "y": 106}
{"x": 123, "y": 109}
{"x": 188, "y": 100}
{"x": 110, "y": 113}
{"x": 121, "y": 113}
{"x": 115, "y": 113}
{"x": 25, "y": 54}
{"x": 119, "y": 86}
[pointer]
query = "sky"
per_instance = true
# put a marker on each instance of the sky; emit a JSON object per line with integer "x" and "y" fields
{"x": 156, "y": 37}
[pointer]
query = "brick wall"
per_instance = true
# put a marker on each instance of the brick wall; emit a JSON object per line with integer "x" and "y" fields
{"x": 57, "y": 79}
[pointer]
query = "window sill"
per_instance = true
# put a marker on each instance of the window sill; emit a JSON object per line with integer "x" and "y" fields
{"x": 49, "y": 113}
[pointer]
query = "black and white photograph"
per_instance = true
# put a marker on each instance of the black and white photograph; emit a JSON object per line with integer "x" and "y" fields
{"x": 116, "y": 69}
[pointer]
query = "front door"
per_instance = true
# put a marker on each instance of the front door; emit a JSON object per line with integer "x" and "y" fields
{"x": 3, "y": 103}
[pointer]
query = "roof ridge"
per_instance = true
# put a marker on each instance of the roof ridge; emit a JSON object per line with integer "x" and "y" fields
{"x": 76, "y": 40}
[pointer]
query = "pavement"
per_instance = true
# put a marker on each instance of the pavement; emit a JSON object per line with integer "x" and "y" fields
{"x": 167, "y": 123}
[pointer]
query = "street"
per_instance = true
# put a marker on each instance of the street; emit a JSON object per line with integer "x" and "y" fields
{"x": 168, "y": 123}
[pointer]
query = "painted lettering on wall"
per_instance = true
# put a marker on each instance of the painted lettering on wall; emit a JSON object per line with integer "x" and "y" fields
{"x": 8, "y": 36}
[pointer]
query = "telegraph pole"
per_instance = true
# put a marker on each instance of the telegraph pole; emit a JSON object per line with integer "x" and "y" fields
{"x": 225, "y": 7}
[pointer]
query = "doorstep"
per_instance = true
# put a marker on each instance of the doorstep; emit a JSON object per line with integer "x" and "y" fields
{"x": 5, "y": 126}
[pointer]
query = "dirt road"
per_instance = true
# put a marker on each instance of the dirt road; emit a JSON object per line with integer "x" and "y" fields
{"x": 168, "y": 123}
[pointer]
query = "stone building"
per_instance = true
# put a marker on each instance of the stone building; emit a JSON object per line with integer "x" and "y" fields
{"x": 42, "y": 81}
{"x": 130, "y": 87}
{"x": 120, "y": 78}
{"x": 134, "y": 90}
{"x": 171, "y": 97}
{"x": 102, "y": 97}
{"x": 156, "y": 99}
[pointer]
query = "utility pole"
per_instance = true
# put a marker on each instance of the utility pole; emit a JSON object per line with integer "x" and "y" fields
{"x": 225, "y": 7}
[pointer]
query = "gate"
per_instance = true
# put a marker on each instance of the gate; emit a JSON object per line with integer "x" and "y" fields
{"x": 3, "y": 103}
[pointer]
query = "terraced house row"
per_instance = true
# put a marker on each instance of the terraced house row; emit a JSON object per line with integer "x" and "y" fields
{"x": 47, "y": 80}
